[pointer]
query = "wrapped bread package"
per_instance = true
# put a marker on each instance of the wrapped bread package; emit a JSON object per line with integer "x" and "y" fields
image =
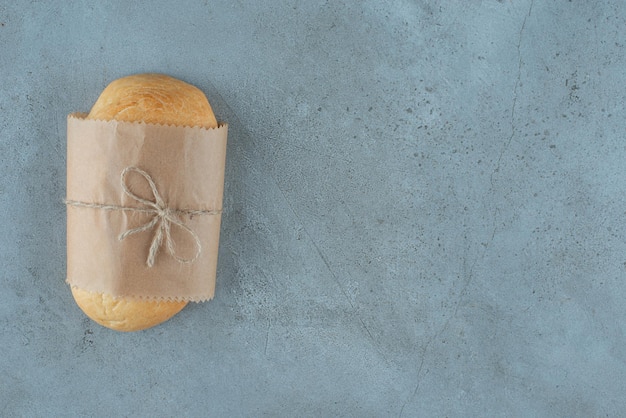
{"x": 145, "y": 180}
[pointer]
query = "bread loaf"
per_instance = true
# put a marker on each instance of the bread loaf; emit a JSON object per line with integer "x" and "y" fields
{"x": 149, "y": 98}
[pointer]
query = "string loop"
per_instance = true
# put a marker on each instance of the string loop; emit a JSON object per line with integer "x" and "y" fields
{"x": 163, "y": 219}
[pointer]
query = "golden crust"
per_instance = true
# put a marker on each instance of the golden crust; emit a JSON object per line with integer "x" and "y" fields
{"x": 154, "y": 98}
{"x": 125, "y": 314}
{"x": 151, "y": 98}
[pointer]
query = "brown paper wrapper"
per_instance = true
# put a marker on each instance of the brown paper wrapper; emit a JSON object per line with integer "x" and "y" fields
{"x": 186, "y": 165}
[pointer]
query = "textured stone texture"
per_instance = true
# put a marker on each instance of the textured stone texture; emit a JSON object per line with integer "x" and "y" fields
{"x": 423, "y": 215}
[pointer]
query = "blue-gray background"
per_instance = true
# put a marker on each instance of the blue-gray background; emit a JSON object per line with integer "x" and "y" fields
{"x": 424, "y": 209}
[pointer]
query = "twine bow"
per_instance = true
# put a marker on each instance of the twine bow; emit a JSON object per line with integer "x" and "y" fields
{"x": 163, "y": 218}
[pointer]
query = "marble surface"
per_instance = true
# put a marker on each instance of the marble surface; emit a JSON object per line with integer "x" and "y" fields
{"x": 424, "y": 209}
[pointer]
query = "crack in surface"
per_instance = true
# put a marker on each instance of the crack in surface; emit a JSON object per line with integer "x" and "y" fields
{"x": 470, "y": 272}
{"x": 306, "y": 232}
{"x": 323, "y": 258}
{"x": 515, "y": 88}
{"x": 336, "y": 279}
{"x": 419, "y": 377}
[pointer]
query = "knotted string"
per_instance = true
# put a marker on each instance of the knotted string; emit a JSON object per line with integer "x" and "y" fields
{"x": 164, "y": 217}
